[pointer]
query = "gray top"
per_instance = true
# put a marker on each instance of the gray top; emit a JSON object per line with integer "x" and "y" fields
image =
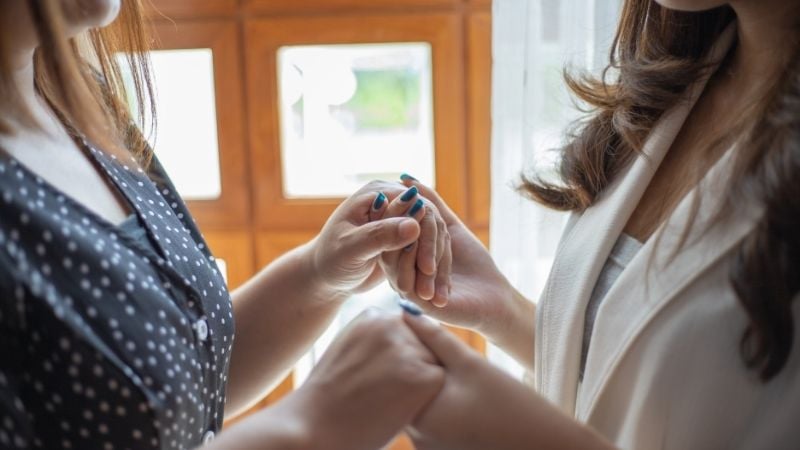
{"x": 621, "y": 255}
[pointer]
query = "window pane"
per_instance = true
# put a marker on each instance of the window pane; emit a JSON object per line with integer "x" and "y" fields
{"x": 186, "y": 139}
{"x": 353, "y": 113}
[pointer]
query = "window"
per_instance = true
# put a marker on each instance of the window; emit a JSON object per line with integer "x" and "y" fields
{"x": 353, "y": 113}
{"x": 415, "y": 79}
{"x": 186, "y": 140}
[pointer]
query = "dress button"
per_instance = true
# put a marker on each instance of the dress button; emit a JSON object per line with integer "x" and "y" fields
{"x": 201, "y": 328}
{"x": 208, "y": 437}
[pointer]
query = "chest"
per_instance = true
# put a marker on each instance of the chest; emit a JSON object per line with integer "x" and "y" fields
{"x": 156, "y": 325}
{"x": 702, "y": 140}
{"x": 60, "y": 161}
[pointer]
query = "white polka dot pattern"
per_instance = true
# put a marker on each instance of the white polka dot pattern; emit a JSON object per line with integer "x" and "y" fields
{"x": 100, "y": 332}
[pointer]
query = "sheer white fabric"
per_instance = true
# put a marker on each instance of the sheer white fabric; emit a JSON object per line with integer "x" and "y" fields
{"x": 533, "y": 41}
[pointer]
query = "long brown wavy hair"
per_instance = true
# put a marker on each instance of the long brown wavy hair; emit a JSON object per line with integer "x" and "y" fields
{"x": 656, "y": 55}
{"x": 81, "y": 78}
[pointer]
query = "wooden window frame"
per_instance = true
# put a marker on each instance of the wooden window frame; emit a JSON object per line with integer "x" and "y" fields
{"x": 231, "y": 209}
{"x": 483, "y": 4}
{"x": 327, "y": 6}
{"x": 177, "y": 9}
{"x": 265, "y": 36}
{"x": 479, "y": 121}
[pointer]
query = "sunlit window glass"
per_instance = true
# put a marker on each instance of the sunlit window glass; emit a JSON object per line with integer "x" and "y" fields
{"x": 223, "y": 268}
{"x": 354, "y": 113}
{"x": 186, "y": 139}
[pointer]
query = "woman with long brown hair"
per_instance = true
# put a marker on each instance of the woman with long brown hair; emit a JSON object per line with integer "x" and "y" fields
{"x": 116, "y": 326}
{"x": 669, "y": 317}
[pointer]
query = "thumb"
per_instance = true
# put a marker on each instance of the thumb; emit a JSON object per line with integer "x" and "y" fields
{"x": 372, "y": 239}
{"x": 448, "y": 349}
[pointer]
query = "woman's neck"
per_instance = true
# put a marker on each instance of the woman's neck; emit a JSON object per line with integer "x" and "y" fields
{"x": 30, "y": 114}
{"x": 22, "y": 81}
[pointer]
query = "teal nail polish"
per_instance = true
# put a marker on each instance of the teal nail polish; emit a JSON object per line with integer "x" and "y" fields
{"x": 415, "y": 209}
{"x": 409, "y": 194}
{"x": 409, "y": 307}
{"x": 406, "y": 176}
{"x": 379, "y": 201}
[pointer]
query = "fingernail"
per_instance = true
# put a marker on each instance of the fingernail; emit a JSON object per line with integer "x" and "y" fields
{"x": 442, "y": 291}
{"x": 409, "y": 194}
{"x": 415, "y": 209}
{"x": 408, "y": 248}
{"x": 379, "y": 201}
{"x": 406, "y": 176}
{"x": 409, "y": 307}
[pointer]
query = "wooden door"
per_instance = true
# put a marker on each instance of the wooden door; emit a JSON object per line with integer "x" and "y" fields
{"x": 253, "y": 220}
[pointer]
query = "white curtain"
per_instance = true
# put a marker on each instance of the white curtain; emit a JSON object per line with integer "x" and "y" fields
{"x": 533, "y": 41}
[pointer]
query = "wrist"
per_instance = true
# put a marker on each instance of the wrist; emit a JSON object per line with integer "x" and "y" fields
{"x": 316, "y": 274}
{"x": 314, "y": 428}
{"x": 288, "y": 422}
{"x": 495, "y": 326}
{"x": 513, "y": 331}
{"x": 284, "y": 426}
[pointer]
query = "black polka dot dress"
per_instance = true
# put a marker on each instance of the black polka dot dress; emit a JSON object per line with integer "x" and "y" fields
{"x": 110, "y": 340}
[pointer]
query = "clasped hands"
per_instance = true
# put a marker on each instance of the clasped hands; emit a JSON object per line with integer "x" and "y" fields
{"x": 386, "y": 373}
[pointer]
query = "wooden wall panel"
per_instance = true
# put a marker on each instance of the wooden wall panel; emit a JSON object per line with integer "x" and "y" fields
{"x": 177, "y": 9}
{"x": 480, "y": 4}
{"x": 479, "y": 85}
{"x": 332, "y": 6}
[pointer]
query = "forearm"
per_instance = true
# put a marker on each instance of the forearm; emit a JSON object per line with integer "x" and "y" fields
{"x": 280, "y": 427}
{"x": 515, "y": 333}
{"x": 279, "y": 314}
{"x": 482, "y": 407}
{"x": 531, "y": 421}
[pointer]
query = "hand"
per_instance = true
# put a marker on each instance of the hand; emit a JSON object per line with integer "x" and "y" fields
{"x": 373, "y": 380}
{"x": 479, "y": 296}
{"x": 345, "y": 253}
{"x": 423, "y": 268}
{"x": 481, "y": 407}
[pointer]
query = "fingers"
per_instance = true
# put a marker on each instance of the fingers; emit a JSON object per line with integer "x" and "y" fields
{"x": 448, "y": 214}
{"x": 446, "y": 347}
{"x": 407, "y": 203}
{"x": 425, "y": 286}
{"x": 374, "y": 238}
{"x": 443, "y": 283}
{"x": 441, "y": 228}
{"x": 434, "y": 242}
{"x": 420, "y": 280}
{"x": 409, "y": 281}
{"x": 428, "y": 242}
{"x": 406, "y": 272}
{"x": 378, "y": 207}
